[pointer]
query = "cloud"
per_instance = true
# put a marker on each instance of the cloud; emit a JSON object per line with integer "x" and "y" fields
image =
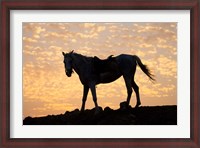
{"x": 140, "y": 53}
{"x": 87, "y": 36}
{"x": 28, "y": 47}
{"x": 167, "y": 66}
{"x": 55, "y": 48}
{"x": 62, "y": 27}
{"x": 74, "y": 40}
{"x": 144, "y": 45}
{"x": 27, "y": 52}
{"x": 101, "y": 28}
{"x": 29, "y": 65}
{"x": 37, "y": 48}
{"x": 29, "y": 40}
{"x": 89, "y": 25}
{"x": 113, "y": 29}
{"x": 161, "y": 40}
{"x": 38, "y": 30}
{"x": 36, "y": 36}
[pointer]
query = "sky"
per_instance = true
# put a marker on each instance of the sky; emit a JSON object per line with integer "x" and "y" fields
{"x": 46, "y": 88}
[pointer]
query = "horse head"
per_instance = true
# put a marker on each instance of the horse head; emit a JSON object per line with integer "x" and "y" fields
{"x": 68, "y": 63}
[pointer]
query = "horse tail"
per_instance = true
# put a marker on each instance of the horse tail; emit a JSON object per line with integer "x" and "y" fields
{"x": 144, "y": 68}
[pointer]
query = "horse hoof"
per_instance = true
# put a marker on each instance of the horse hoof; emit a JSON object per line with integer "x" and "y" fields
{"x": 137, "y": 105}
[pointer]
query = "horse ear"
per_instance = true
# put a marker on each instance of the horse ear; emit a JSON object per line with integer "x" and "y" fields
{"x": 72, "y": 51}
{"x": 63, "y": 53}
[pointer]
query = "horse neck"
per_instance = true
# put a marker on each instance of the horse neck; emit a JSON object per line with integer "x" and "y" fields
{"x": 79, "y": 61}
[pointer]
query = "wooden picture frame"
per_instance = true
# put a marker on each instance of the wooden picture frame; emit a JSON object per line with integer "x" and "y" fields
{"x": 7, "y": 6}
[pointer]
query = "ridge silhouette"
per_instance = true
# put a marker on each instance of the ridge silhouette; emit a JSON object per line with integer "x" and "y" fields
{"x": 155, "y": 115}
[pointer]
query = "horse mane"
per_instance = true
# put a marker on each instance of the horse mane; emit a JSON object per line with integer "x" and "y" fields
{"x": 83, "y": 57}
{"x": 80, "y": 55}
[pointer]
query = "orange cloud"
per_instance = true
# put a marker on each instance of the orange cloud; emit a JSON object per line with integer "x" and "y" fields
{"x": 29, "y": 40}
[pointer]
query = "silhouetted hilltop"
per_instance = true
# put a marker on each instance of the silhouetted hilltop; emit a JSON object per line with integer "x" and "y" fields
{"x": 158, "y": 115}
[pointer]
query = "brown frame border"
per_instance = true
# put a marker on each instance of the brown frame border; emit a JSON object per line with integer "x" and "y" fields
{"x": 6, "y": 6}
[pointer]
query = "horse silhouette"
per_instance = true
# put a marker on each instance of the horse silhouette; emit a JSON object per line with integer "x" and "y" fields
{"x": 93, "y": 71}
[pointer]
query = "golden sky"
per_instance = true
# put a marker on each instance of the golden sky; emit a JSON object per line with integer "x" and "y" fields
{"x": 46, "y": 88}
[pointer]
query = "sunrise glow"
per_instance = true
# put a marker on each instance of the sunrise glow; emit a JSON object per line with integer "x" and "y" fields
{"x": 46, "y": 88}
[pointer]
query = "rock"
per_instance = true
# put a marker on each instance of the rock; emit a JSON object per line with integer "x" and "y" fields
{"x": 124, "y": 106}
{"x": 76, "y": 111}
{"x": 107, "y": 109}
{"x": 67, "y": 112}
{"x": 28, "y": 120}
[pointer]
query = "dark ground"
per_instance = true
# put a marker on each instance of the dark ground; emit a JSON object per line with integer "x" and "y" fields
{"x": 156, "y": 115}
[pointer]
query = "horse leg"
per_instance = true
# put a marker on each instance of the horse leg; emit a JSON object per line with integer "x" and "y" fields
{"x": 136, "y": 89}
{"x": 85, "y": 93}
{"x": 129, "y": 89}
{"x": 93, "y": 90}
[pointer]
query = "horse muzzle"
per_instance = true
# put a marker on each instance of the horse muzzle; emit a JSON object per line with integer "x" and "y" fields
{"x": 69, "y": 73}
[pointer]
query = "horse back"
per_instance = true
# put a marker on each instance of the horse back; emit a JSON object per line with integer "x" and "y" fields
{"x": 126, "y": 62}
{"x": 102, "y": 66}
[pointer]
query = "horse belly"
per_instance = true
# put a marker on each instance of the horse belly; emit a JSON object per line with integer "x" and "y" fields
{"x": 108, "y": 77}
